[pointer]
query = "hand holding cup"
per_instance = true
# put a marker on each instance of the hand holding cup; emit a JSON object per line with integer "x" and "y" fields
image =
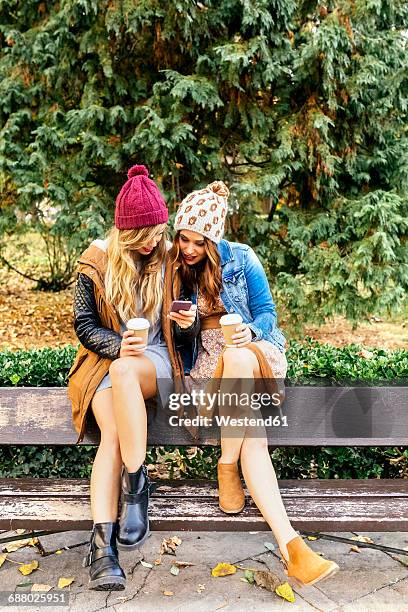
{"x": 134, "y": 339}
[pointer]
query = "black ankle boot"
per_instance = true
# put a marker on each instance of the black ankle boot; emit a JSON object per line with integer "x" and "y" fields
{"x": 105, "y": 573}
{"x": 134, "y": 520}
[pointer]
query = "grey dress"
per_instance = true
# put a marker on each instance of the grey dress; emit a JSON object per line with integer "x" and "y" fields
{"x": 156, "y": 351}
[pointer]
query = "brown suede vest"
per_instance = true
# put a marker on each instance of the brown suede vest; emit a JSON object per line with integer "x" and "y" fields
{"x": 89, "y": 368}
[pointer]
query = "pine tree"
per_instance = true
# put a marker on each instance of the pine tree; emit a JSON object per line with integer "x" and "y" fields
{"x": 300, "y": 106}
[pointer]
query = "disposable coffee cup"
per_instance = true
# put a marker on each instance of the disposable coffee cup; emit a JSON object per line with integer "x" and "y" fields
{"x": 228, "y": 324}
{"x": 140, "y": 328}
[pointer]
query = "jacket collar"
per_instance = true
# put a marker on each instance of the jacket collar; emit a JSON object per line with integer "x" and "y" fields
{"x": 225, "y": 252}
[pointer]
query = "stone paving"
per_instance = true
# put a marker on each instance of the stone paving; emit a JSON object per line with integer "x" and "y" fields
{"x": 368, "y": 580}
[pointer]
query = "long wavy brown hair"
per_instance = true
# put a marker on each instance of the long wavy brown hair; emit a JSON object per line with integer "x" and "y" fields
{"x": 126, "y": 283}
{"x": 206, "y": 275}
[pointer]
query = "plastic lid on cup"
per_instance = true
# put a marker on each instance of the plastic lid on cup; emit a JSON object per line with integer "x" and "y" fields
{"x": 231, "y": 319}
{"x": 138, "y": 323}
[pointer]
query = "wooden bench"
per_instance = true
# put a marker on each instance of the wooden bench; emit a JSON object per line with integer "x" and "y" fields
{"x": 316, "y": 416}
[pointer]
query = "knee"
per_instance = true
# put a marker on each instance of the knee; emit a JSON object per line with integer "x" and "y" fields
{"x": 123, "y": 368}
{"x": 240, "y": 359}
{"x": 260, "y": 443}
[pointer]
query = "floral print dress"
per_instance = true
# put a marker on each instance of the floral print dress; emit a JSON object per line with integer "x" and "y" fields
{"x": 212, "y": 343}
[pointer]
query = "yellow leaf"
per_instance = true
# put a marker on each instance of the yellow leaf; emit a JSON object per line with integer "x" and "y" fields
{"x": 361, "y": 538}
{"x": 58, "y": 552}
{"x": 223, "y": 569}
{"x": 177, "y": 541}
{"x": 354, "y": 549}
{"x": 3, "y": 558}
{"x": 13, "y": 546}
{"x": 41, "y": 588}
{"x": 284, "y": 590}
{"x": 20, "y": 531}
{"x": 168, "y": 593}
{"x": 311, "y": 538}
{"x": 64, "y": 582}
{"x": 28, "y": 568}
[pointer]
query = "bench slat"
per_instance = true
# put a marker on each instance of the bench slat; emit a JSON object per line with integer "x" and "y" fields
{"x": 316, "y": 416}
{"x": 311, "y": 505}
{"x": 57, "y": 487}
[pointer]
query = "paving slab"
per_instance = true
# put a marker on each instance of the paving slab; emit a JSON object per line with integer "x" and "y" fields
{"x": 368, "y": 580}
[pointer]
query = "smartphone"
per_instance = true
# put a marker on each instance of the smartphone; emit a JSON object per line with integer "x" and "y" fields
{"x": 178, "y": 305}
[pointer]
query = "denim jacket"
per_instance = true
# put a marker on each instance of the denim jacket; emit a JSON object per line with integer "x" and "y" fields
{"x": 245, "y": 290}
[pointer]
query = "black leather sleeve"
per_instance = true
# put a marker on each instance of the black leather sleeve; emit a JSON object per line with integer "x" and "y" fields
{"x": 188, "y": 334}
{"x": 87, "y": 324}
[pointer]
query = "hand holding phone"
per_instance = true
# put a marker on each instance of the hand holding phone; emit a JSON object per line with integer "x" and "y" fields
{"x": 183, "y": 312}
{"x": 178, "y": 305}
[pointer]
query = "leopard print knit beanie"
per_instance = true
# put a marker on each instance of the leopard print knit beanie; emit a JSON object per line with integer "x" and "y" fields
{"x": 204, "y": 211}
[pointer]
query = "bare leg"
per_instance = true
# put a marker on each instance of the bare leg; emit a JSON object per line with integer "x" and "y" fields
{"x": 240, "y": 360}
{"x": 106, "y": 469}
{"x": 260, "y": 478}
{"x": 133, "y": 381}
{"x": 252, "y": 447}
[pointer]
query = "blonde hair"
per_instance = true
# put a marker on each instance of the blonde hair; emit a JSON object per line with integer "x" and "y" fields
{"x": 134, "y": 291}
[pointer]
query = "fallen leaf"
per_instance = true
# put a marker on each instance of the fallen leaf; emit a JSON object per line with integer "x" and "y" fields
{"x": 269, "y": 546}
{"x": 13, "y": 546}
{"x": 145, "y": 564}
{"x": 64, "y": 582}
{"x": 58, "y": 552}
{"x": 3, "y": 558}
{"x": 41, "y": 588}
{"x": 25, "y": 584}
{"x": 158, "y": 561}
{"x": 285, "y": 591}
{"x": 182, "y": 564}
{"x": 249, "y": 576}
{"x": 361, "y": 538}
{"x": 27, "y": 568}
{"x": 33, "y": 542}
{"x": 404, "y": 561}
{"x": 266, "y": 579}
{"x": 312, "y": 538}
{"x": 200, "y": 588}
{"x": 365, "y": 354}
{"x": 20, "y": 531}
{"x": 168, "y": 593}
{"x": 223, "y": 569}
{"x": 174, "y": 570}
{"x": 168, "y": 547}
{"x": 354, "y": 549}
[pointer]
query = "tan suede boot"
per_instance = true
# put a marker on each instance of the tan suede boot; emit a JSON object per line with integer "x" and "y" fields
{"x": 305, "y": 565}
{"x": 230, "y": 491}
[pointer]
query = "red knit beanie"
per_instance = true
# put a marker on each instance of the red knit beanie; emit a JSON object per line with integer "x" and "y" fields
{"x": 139, "y": 202}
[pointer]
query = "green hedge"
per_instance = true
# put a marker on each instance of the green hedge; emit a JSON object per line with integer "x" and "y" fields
{"x": 309, "y": 363}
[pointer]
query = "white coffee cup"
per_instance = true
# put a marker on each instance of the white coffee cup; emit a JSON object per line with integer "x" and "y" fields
{"x": 140, "y": 327}
{"x": 228, "y": 323}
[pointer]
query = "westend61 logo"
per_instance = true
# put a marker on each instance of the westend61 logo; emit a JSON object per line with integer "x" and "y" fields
{"x": 234, "y": 409}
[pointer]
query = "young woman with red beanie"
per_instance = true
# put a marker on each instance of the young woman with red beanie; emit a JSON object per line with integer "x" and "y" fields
{"x": 114, "y": 372}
